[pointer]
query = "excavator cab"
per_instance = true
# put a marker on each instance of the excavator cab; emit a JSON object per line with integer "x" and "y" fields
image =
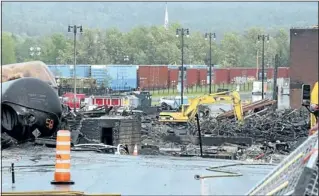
{"x": 306, "y": 94}
{"x": 310, "y": 101}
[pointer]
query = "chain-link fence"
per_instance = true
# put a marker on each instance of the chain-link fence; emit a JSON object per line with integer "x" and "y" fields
{"x": 245, "y": 87}
{"x": 161, "y": 90}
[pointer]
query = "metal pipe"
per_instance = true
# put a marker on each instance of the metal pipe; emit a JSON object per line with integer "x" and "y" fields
{"x": 74, "y": 69}
{"x": 182, "y": 75}
{"x": 12, "y": 174}
{"x": 263, "y": 67}
{"x": 210, "y": 64}
{"x": 199, "y": 135}
{"x": 198, "y": 177}
{"x": 279, "y": 188}
{"x": 275, "y": 93}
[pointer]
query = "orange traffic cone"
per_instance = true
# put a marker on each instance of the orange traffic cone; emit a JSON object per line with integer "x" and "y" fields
{"x": 135, "y": 153}
{"x": 62, "y": 173}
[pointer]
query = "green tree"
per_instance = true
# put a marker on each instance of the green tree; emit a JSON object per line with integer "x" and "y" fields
{"x": 52, "y": 47}
{"x": 282, "y": 39}
{"x": 8, "y": 49}
{"x": 250, "y": 47}
{"x": 231, "y": 49}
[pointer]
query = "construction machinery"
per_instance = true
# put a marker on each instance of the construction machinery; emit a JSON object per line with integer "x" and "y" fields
{"x": 172, "y": 103}
{"x": 187, "y": 112}
{"x": 310, "y": 101}
{"x": 297, "y": 174}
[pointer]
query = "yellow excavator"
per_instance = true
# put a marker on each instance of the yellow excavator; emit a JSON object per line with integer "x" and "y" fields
{"x": 310, "y": 101}
{"x": 187, "y": 112}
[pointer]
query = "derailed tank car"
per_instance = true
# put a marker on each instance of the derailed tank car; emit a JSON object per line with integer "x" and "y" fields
{"x": 30, "y": 104}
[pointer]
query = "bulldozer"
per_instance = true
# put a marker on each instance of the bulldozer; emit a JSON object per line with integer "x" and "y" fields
{"x": 187, "y": 112}
{"x": 310, "y": 101}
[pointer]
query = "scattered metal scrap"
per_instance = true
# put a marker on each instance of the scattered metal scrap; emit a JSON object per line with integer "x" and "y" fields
{"x": 274, "y": 134}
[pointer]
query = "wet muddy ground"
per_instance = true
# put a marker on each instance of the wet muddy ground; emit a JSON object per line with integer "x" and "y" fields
{"x": 128, "y": 175}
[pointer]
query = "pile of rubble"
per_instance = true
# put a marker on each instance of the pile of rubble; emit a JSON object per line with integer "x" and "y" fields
{"x": 273, "y": 133}
{"x": 286, "y": 125}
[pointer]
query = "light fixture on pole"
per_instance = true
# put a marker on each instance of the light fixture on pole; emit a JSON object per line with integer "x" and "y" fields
{"x": 74, "y": 29}
{"x": 35, "y": 51}
{"x": 210, "y": 36}
{"x": 182, "y": 32}
{"x": 126, "y": 58}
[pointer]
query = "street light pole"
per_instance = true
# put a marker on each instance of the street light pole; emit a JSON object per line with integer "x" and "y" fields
{"x": 210, "y": 36}
{"x": 262, "y": 38}
{"x": 75, "y": 29}
{"x": 182, "y": 32}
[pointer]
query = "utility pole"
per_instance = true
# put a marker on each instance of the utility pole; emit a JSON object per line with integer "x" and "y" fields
{"x": 75, "y": 29}
{"x": 182, "y": 32}
{"x": 210, "y": 36}
{"x": 262, "y": 38}
{"x": 275, "y": 89}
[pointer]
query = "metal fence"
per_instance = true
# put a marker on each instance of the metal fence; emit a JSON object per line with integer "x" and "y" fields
{"x": 284, "y": 178}
{"x": 245, "y": 87}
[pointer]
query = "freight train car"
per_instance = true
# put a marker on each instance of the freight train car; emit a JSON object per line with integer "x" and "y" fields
{"x": 100, "y": 74}
{"x": 243, "y": 75}
{"x": 303, "y": 62}
{"x": 173, "y": 74}
{"x": 196, "y": 75}
{"x": 82, "y": 71}
{"x": 122, "y": 77}
{"x": 60, "y": 70}
{"x": 152, "y": 76}
{"x": 221, "y": 75}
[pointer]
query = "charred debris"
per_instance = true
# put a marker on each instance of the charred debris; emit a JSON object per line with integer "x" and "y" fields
{"x": 264, "y": 134}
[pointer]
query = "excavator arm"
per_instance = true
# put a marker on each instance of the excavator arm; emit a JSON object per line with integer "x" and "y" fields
{"x": 192, "y": 108}
{"x": 189, "y": 113}
{"x": 238, "y": 109}
{"x": 310, "y": 101}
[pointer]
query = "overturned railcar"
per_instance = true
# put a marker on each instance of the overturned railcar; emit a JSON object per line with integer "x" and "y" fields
{"x": 30, "y": 106}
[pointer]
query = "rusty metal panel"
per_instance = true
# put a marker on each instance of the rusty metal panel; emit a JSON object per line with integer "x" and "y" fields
{"x": 251, "y": 73}
{"x": 235, "y": 74}
{"x": 303, "y": 61}
{"x": 172, "y": 77}
{"x": 221, "y": 76}
{"x": 295, "y": 98}
{"x": 153, "y": 76}
{"x": 304, "y": 55}
{"x": 143, "y": 76}
{"x": 202, "y": 76}
{"x": 192, "y": 77}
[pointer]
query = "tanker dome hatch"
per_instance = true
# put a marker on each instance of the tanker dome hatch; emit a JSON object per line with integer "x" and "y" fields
{"x": 29, "y": 104}
{"x": 33, "y": 69}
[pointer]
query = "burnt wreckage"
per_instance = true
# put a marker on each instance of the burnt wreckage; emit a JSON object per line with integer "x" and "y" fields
{"x": 30, "y": 108}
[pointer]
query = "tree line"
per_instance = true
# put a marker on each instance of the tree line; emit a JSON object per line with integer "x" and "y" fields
{"x": 153, "y": 45}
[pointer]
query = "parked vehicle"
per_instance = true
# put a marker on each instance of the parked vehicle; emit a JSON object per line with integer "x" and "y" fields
{"x": 167, "y": 103}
